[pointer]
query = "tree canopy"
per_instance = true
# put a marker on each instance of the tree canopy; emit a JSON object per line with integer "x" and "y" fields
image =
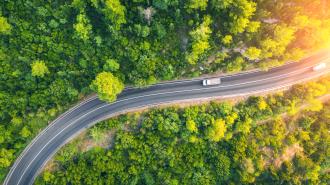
{"x": 5, "y": 27}
{"x": 52, "y": 51}
{"x": 107, "y": 86}
{"x": 39, "y": 68}
{"x": 200, "y": 145}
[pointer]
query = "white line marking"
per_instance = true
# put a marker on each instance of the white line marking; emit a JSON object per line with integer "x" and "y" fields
{"x": 166, "y": 102}
{"x": 43, "y": 132}
{"x": 284, "y": 75}
{"x": 231, "y": 75}
{"x": 214, "y": 87}
{"x": 29, "y": 146}
{"x": 55, "y": 137}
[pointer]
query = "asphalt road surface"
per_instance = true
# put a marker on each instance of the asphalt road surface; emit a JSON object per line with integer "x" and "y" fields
{"x": 92, "y": 110}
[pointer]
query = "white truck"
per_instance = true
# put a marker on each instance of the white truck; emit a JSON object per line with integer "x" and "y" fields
{"x": 211, "y": 81}
{"x": 319, "y": 66}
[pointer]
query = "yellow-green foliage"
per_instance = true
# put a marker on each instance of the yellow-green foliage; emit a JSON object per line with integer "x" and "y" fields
{"x": 39, "y": 68}
{"x": 5, "y": 27}
{"x": 216, "y": 131}
{"x": 107, "y": 86}
{"x": 200, "y": 43}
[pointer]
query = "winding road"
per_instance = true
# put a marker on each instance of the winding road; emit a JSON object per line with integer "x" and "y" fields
{"x": 93, "y": 110}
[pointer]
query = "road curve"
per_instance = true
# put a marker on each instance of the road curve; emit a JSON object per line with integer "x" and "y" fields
{"x": 93, "y": 110}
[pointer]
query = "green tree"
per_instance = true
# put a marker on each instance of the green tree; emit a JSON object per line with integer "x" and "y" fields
{"x": 216, "y": 131}
{"x": 83, "y": 27}
{"x": 115, "y": 12}
{"x": 200, "y": 37}
{"x": 262, "y": 104}
{"x": 300, "y": 21}
{"x": 221, "y": 4}
{"x": 39, "y": 68}
{"x": 196, "y": 4}
{"x": 111, "y": 65}
{"x": 59, "y": 89}
{"x": 235, "y": 65}
{"x": 253, "y": 26}
{"x": 252, "y": 53}
{"x": 25, "y": 132}
{"x": 294, "y": 54}
{"x": 107, "y": 86}
{"x": 244, "y": 126}
{"x": 230, "y": 118}
{"x": 5, "y": 27}
{"x": 191, "y": 126}
{"x": 222, "y": 167}
{"x": 276, "y": 46}
{"x": 227, "y": 39}
{"x": 314, "y": 105}
{"x": 47, "y": 176}
{"x": 6, "y": 156}
{"x": 247, "y": 171}
{"x": 240, "y": 15}
{"x": 269, "y": 48}
{"x": 164, "y": 4}
{"x": 292, "y": 106}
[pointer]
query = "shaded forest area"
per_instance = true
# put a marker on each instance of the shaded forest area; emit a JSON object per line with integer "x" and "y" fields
{"x": 216, "y": 143}
{"x": 53, "y": 53}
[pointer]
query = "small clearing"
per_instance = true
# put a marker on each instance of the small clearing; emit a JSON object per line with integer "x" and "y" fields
{"x": 288, "y": 154}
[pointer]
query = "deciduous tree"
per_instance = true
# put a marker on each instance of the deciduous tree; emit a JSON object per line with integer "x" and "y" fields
{"x": 200, "y": 37}
{"x": 5, "y": 27}
{"x": 83, "y": 27}
{"x": 39, "y": 68}
{"x": 216, "y": 131}
{"x": 107, "y": 86}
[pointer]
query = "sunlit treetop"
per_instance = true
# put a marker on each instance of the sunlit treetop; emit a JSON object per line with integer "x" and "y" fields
{"x": 5, "y": 27}
{"x": 39, "y": 68}
{"x": 107, "y": 86}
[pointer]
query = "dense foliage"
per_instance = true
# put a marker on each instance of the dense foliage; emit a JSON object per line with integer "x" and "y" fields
{"x": 51, "y": 51}
{"x": 107, "y": 86}
{"x": 208, "y": 144}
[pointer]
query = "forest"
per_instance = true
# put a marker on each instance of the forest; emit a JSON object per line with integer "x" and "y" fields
{"x": 54, "y": 53}
{"x": 279, "y": 139}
